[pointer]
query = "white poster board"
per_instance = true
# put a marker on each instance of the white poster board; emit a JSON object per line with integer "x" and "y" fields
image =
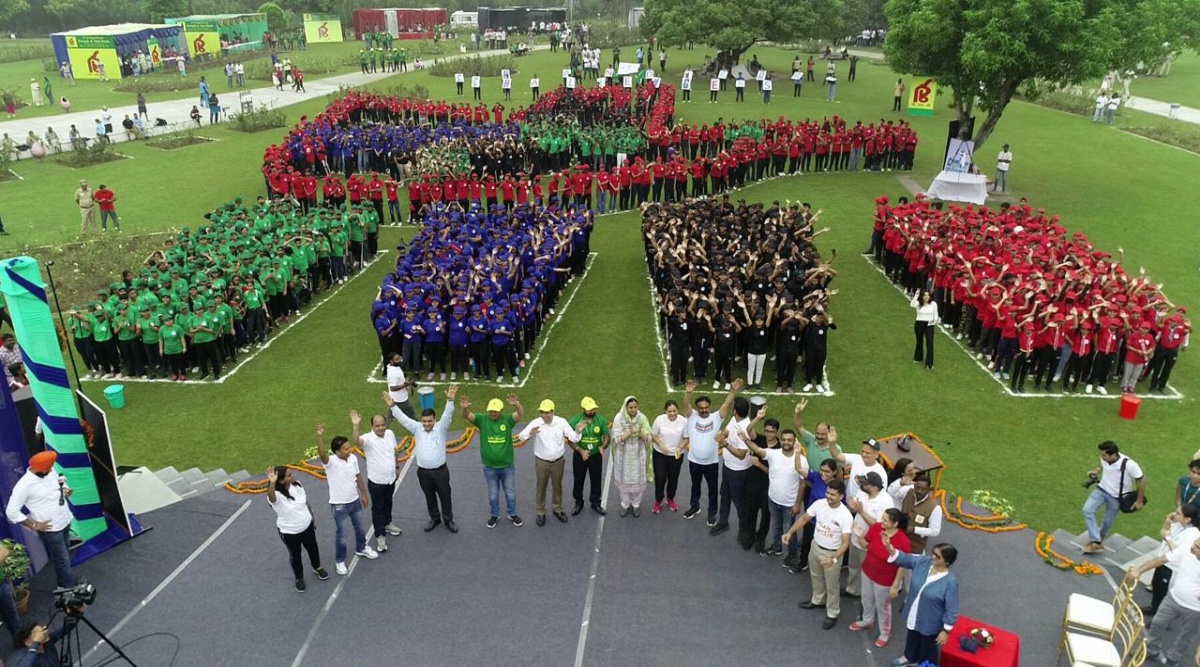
{"x": 687, "y": 81}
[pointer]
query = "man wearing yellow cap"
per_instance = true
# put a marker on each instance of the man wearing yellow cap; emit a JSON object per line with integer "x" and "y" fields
{"x": 588, "y": 460}
{"x": 550, "y": 434}
{"x": 496, "y": 450}
{"x": 43, "y": 493}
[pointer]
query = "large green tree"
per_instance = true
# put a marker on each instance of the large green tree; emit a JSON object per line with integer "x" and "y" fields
{"x": 277, "y": 20}
{"x": 733, "y": 26}
{"x": 161, "y": 9}
{"x": 9, "y": 8}
{"x": 985, "y": 50}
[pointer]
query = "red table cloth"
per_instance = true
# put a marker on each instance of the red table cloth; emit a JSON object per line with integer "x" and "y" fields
{"x": 1004, "y": 652}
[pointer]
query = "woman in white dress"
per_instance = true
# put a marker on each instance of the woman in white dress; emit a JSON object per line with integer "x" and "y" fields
{"x": 630, "y": 435}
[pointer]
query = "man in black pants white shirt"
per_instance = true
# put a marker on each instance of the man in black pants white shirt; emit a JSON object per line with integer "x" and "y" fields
{"x": 380, "y": 447}
{"x": 429, "y": 448}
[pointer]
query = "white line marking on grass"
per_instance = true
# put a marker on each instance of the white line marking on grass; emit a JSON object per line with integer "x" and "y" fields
{"x": 545, "y": 338}
{"x": 329, "y": 294}
{"x": 337, "y": 590}
{"x": 1173, "y": 396}
{"x": 591, "y": 588}
{"x": 170, "y": 577}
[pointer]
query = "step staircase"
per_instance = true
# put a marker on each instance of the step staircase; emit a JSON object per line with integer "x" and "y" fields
{"x": 194, "y": 482}
{"x": 1120, "y": 553}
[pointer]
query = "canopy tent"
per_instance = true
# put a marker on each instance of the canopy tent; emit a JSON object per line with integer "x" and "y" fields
{"x": 234, "y": 32}
{"x": 518, "y": 18}
{"x": 87, "y": 48}
{"x": 398, "y": 22}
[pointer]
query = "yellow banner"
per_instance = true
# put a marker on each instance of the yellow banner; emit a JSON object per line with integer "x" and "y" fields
{"x": 323, "y": 30}
{"x": 86, "y": 63}
{"x": 203, "y": 43}
{"x": 922, "y": 96}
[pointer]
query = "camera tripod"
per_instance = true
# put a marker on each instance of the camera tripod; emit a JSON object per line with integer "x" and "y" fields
{"x": 71, "y": 631}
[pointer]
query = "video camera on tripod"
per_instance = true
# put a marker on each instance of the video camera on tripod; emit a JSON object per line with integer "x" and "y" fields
{"x": 72, "y": 600}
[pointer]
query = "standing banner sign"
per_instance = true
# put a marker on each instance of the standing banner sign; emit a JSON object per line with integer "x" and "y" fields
{"x": 959, "y": 156}
{"x": 922, "y": 96}
{"x": 322, "y": 28}
{"x": 86, "y": 52}
{"x": 202, "y": 37}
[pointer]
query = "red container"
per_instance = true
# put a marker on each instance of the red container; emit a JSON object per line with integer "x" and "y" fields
{"x": 1129, "y": 406}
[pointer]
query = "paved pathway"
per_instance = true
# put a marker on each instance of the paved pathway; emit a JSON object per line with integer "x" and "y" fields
{"x": 178, "y": 111}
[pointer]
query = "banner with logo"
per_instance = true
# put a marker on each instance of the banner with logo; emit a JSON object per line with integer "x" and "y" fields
{"x": 322, "y": 28}
{"x": 960, "y": 156}
{"x": 203, "y": 39}
{"x": 86, "y": 52}
{"x": 922, "y": 97}
{"x": 154, "y": 52}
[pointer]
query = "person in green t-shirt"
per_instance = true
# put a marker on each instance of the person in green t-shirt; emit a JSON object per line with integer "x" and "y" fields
{"x": 206, "y": 326}
{"x": 125, "y": 325}
{"x": 105, "y": 346}
{"x": 81, "y": 331}
{"x": 172, "y": 344}
{"x": 588, "y": 460}
{"x": 256, "y": 314}
{"x": 147, "y": 326}
{"x": 496, "y": 451}
{"x": 226, "y": 343}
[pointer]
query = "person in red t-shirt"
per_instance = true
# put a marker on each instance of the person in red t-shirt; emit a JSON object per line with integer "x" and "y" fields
{"x": 882, "y": 580}
{"x": 1176, "y": 331}
{"x": 107, "y": 200}
{"x": 1138, "y": 349}
{"x": 393, "y": 198}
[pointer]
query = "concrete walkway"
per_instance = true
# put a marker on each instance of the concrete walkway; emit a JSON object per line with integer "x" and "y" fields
{"x": 177, "y": 112}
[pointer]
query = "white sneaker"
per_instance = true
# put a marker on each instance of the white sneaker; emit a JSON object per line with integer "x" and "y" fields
{"x": 958, "y": 337}
{"x": 381, "y": 544}
{"x": 991, "y": 365}
{"x": 807, "y": 387}
{"x": 340, "y": 568}
{"x": 1057, "y": 378}
{"x": 368, "y": 553}
{"x": 727, "y": 386}
{"x": 1102, "y": 390}
{"x": 1087, "y": 389}
{"x": 717, "y": 384}
{"x": 392, "y": 529}
{"x": 453, "y": 377}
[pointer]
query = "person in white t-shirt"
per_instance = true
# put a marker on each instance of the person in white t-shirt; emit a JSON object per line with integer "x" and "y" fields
{"x": 398, "y": 386}
{"x": 786, "y": 470}
{"x": 702, "y": 428}
{"x": 294, "y": 520}
{"x": 736, "y": 463}
{"x": 379, "y": 445}
{"x": 347, "y": 497}
{"x": 831, "y": 540}
{"x": 867, "y": 460}
{"x": 1101, "y": 103}
{"x": 867, "y": 507}
{"x": 670, "y": 440}
{"x": 1179, "y": 613}
{"x": 1003, "y": 160}
{"x": 1117, "y": 474}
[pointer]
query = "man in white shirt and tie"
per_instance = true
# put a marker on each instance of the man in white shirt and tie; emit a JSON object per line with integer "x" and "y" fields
{"x": 44, "y": 493}
{"x": 550, "y": 434}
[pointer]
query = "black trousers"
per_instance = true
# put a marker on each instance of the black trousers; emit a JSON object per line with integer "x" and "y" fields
{"x": 307, "y": 539}
{"x": 708, "y": 472}
{"x": 207, "y": 355}
{"x": 580, "y": 470}
{"x": 381, "y": 504}
{"x": 666, "y": 475}
{"x": 924, "y": 332}
{"x": 1161, "y": 365}
{"x": 435, "y": 484}
{"x": 919, "y": 648}
{"x": 758, "y": 517}
{"x": 733, "y": 492}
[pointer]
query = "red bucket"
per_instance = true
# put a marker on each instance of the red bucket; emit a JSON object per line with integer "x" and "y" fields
{"x": 1129, "y": 406}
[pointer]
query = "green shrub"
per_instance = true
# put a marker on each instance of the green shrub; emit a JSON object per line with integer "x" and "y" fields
{"x": 608, "y": 35}
{"x": 261, "y": 70}
{"x": 1179, "y": 133}
{"x": 157, "y": 84}
{"x": 12, "y": 54}
{"x": 473, "y": 66}
{"x": 87, "y": 154}
{"x": 1071, "y": 100}
{"x": 261, "y": 118}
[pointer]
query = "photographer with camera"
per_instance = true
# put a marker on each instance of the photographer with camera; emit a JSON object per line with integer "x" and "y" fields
{"x": 1117, "y": 485}
{"x": 35, "y": 646}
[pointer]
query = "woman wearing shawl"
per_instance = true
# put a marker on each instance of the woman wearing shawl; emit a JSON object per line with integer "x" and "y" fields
{"x": 630, "y": 436}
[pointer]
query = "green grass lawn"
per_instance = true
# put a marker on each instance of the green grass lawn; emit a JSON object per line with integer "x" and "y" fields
{"x": 1121, "y": 189}
{"x": 1182, "y": 85}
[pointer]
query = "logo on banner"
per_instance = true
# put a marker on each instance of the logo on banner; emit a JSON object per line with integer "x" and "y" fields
{"x": 198, "y": 44}
{"x": 155, "y": 56}
{"x": 921, "y": 102}
{"x": 93, "y": 63}
{"x": 323, "y": 30}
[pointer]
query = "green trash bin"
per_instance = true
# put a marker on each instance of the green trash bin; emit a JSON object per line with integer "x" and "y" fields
{"x": 116, "y": 396}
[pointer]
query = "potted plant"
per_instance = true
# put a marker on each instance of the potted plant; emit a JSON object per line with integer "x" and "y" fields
{"x": 16, "y": 569}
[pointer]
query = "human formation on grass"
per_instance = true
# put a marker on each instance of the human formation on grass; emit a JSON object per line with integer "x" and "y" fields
{"x": 222, "y": 289}
{"x": 791, "y": 491}
{"x": 1028, "y": 297}
{"x": 740, "y": 281}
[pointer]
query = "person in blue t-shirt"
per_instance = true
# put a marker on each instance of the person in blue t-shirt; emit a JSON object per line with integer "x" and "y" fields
{"x": 458, "y": 338}
{"x": 502, "y": 351}
{"x": 411, "y": 336}
{"x": 480, "y": 332}
{"x": 435, "y": 339}
{"x": 385, "y": 327}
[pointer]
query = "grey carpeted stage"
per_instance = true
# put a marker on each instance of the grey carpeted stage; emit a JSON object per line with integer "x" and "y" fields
{"x": 664, "y": 593}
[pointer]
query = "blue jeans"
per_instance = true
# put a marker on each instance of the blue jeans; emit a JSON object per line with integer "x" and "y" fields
{"x": 1095, "y": 501}
{"x": 496, "y": 478}
{"x": 58, "y": 547}
{"x": 354, "y": 512}
{"x": 1001, "y": 181}
{"x": 1063, "y": 357}
{"x": 8, "y": 608}
{"x": 781, "y": 520}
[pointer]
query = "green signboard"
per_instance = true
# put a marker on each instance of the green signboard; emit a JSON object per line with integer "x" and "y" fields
{"x": 90, "y": 42}
{"x": 203, "y": 25}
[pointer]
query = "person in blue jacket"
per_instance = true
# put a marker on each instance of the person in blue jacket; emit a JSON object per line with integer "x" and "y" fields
{"x": 931, "y": 609}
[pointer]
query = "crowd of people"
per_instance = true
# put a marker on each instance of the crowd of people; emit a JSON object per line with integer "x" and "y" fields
{"x": 789, "y": 488}
{"x": 476, "y": 285}
{"x": 1028, "y": 297}
{"x": 741, "y": 281}
{"x": 211, "y": 294}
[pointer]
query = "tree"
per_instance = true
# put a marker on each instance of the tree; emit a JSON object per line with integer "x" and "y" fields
{"x": 985, "y": 50}
{"x": 10, "y": 8}
{"x": 733, "y": 26}
{"x": 161, "y": 9}
{"x": 276, "y": 18}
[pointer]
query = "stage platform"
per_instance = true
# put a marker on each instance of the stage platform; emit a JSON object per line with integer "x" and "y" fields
{"x": 655, "y": 590}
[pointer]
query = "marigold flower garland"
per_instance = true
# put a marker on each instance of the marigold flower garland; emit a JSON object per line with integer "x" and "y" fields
{"x": 992, "y": 523}
{"x": 403, "y": 448}
{"x": 1043, "y": 545}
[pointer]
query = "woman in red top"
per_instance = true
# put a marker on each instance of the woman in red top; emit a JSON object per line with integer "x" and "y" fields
{"x": 882, "y": 580}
